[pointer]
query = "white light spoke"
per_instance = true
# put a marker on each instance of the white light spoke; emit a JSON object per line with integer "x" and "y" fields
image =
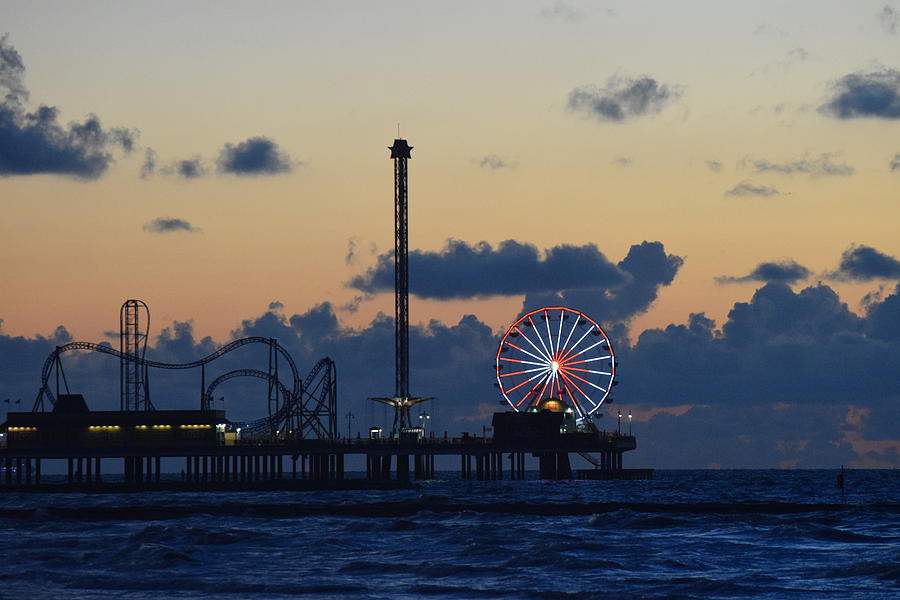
{"x": 586, "y": 360}
{"x": 544, "y": 359}
{"x": 575, "y": 345}
{"x": 540, "y": 339}
{"x": 543, "y": 354}
{"x": 523, "y": 372}
{"x": 562, "y": 313}
{"x": 524, "y": 362}
{"x": 568, "y": 368}
{"x": 569, "y": 337}
{"x": 549, "y": 335}
{"x": 589, "y": 347}
{"x": 530, "y": 379}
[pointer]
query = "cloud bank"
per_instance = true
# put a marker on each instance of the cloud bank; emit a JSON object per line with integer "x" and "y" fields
{"x": 789, "y": 379}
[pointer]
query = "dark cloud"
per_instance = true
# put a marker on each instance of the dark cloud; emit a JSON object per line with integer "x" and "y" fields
{"x": 786, "y": 271}
{"x": 493, "y": 162}
{"x": 864, "y": 263}
{"x": 714, "y": 165}
{"x": 883, "y": 318}
{"x": 623, "y": 98}
{"x": 461, "y": 270}
{"x": 746, "y": 188}
{"x": 255, "y": 156}
{"x": 888, "y": 19}
{"x": 275, "y": 305}
{"x": 895, "y": 162}
{"x": 875, "y": 94}
{"x": 169, "y": 225}
{"x": 647, "y": 268}
{"x": 822, "y": 166}
{"x": 34, "y": 143}
{"x": 805, "y": 348}
{"x": 622, "y": 161}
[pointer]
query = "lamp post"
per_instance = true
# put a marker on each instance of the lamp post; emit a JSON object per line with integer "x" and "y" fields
{"x": 424, "y": 418}
{"x": 350, "y": 416}
{"x": 619, "y": 423}
{"x": 629, "y": 422}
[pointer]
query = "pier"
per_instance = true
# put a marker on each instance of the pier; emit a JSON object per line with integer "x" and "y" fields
{"x": 94, "y": 444}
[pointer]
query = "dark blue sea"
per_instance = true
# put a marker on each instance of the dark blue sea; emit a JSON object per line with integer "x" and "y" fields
{"x": 685, "y": 534}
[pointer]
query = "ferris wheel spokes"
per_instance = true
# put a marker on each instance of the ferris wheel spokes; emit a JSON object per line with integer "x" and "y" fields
{"x": 551, "y": 367}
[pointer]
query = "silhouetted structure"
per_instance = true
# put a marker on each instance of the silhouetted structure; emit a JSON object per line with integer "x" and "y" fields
{"x": 133, "y": 336}
{"x": 401, "y": 152}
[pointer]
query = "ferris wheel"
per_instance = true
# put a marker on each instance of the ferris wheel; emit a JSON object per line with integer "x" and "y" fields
{"x": 556, "y": 354}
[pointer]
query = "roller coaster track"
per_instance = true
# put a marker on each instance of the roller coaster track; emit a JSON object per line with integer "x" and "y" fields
{"x": 273, "y": 423}
{"x": 89, "y": 346}
{"x": 299, "y": 414}
{"x": 319, "y": 400}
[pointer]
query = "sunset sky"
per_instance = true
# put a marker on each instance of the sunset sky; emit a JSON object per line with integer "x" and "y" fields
{"x": 212, "y": 158}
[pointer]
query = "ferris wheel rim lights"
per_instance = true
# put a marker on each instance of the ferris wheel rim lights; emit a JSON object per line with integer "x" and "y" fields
{"x": 556, "y": 361}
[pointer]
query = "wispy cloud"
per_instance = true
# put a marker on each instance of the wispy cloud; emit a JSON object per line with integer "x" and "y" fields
{"x": 888, "y": 18}
{"x": 564, "y": 11}
{"x": 746, "y": 188}
{"x": 786, "y": 271}
{"x": 824, "y": 165}
{"x": 191, "y": 168}
{"x": 494, "y": 162}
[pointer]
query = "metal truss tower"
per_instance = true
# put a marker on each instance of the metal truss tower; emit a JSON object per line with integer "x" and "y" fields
{"x": 401, "y": 152}
{"x": 134, "y": 383}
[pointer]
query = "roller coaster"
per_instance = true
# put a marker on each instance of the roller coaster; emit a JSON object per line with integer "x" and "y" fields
{"x": 306, "y": 410}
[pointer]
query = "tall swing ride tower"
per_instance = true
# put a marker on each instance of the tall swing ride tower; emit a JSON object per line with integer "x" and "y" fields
{"x": 401, "y": 153}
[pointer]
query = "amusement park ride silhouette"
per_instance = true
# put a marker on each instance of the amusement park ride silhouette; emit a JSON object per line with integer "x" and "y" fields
{"x": 555, "y": 367}
{"x": 305, "y": 410}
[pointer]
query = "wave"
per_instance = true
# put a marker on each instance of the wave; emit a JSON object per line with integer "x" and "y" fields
{"x": 400, "y": 510}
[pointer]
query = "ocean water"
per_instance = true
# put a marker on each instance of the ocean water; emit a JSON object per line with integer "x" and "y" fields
{"x": 685, "y": 534}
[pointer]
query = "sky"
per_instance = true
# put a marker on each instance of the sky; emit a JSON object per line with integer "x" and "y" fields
{"x": 717, "y": 183}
